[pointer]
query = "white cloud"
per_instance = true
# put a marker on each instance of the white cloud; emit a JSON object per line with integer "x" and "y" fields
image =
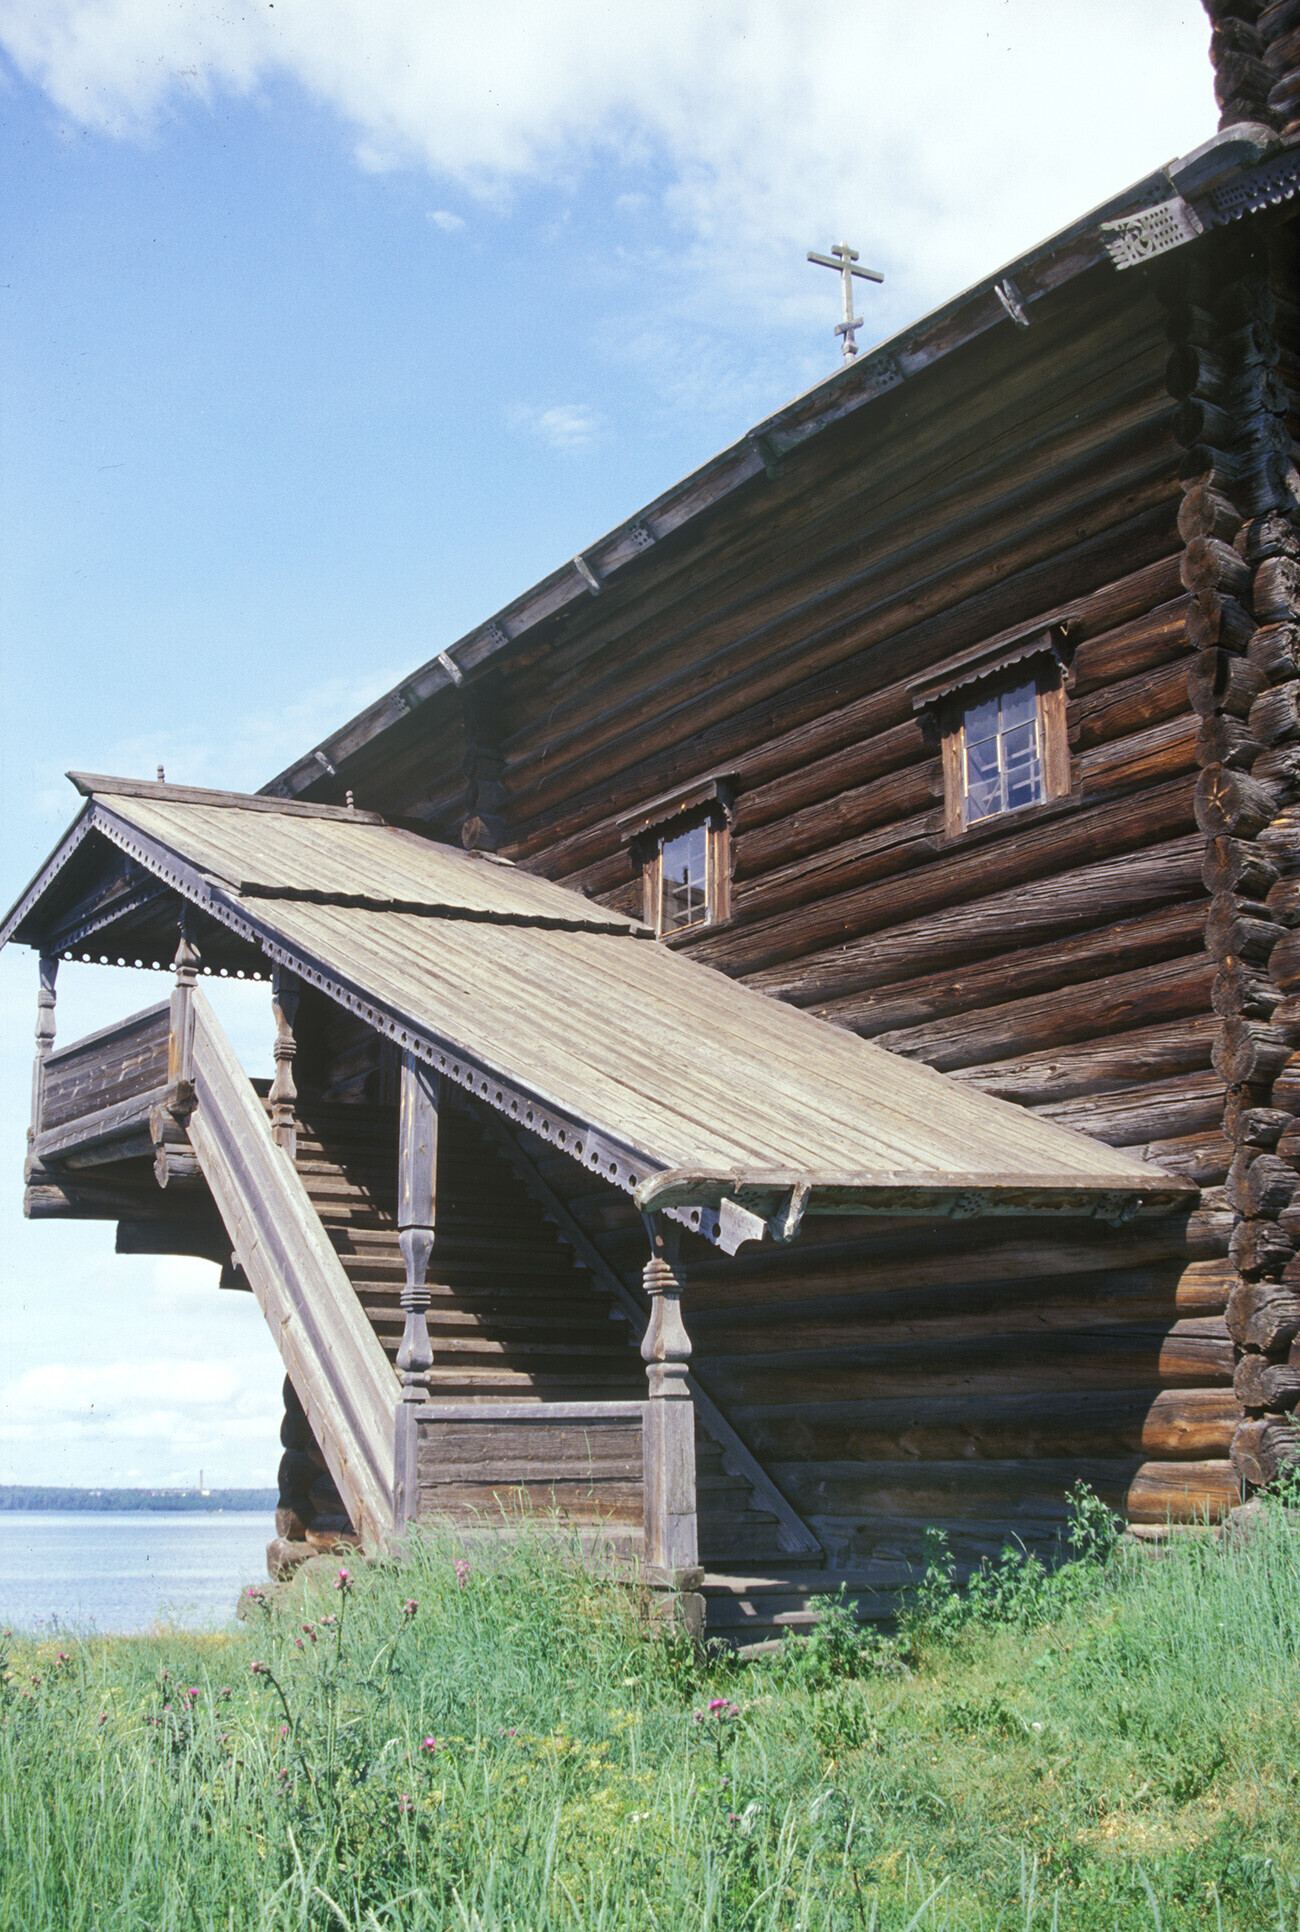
{"x": 567, "y": 427}
{"x": 443, "y": 218}
{"x": 940, "y": 140}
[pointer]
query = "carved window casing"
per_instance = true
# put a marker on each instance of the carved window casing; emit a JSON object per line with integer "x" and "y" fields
{"x": 682, "y": 844}
{"x": 999, "y": 712}
{"x": 1004, "y": 744}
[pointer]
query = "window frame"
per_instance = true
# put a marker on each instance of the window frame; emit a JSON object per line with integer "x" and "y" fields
{"x": 1047, "y": 674}
{"x": 717, "y": 871}
{"x": 706, "y": 802}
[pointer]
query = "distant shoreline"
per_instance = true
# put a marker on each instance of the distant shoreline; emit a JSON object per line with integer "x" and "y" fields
{"x": 196, "y": 1501}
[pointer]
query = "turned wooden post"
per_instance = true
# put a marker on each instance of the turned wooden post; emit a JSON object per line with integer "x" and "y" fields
{"x": 286, "y": 991}
{"x": 668, "y": 1438}
{"x": 417, "y": 1195}
{"x": 180, "y": 1047}
{"x": 44, "y": 1037}
{"x": 174, "y": 1161}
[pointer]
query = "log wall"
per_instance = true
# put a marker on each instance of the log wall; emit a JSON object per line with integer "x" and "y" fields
{"x": 1103, "y": 959}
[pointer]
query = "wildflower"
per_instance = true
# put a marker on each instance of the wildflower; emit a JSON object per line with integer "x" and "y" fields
{"x": 410, "y": 1607}
{"x": 63, "y": 1658}
{"x": 462, "y": 1571}
{"x": 717, "y": 1703}
{"x": 299, "y": 1644}
{"x": 284, "y": 1730}
{"x": 404, "y": 1801}
{"x": 260, "y": 1669}
{"x": 309, "y": 1630}
{"x": 430, "y": 1744}
{"x": 102, "y": 1718}
{"x": 225, "y": 1691}
{"x": 344, "y": 1582}
{"x": 192, "y": 1694}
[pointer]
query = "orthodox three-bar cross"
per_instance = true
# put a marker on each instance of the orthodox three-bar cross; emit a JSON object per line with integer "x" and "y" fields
{"x": 843, "y": 257}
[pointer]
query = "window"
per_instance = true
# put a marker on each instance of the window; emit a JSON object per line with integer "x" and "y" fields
{"x": 682, "y": 845}
{"x": 1004, "y": 744}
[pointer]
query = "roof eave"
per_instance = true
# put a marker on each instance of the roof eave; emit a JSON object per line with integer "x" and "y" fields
{"x": 1226, "y": 158}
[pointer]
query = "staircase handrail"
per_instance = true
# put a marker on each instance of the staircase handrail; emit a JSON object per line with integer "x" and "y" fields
{"x": 331, "y": 1352}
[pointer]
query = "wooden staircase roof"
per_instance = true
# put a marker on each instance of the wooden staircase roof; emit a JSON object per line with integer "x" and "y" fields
{"x": 735, "y": 1112}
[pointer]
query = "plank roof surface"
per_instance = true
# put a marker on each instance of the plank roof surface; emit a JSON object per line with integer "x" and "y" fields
{"x": 662, "y": 1075}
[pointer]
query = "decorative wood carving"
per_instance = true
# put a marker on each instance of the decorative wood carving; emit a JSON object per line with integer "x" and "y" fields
{"x": 417, "y": 1193}
{"x": 45, "y": 997}
{"x": 671, "y": 1539}
{"x": 286, "y": 991}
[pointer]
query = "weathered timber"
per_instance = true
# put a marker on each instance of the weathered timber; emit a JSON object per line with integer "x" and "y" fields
{"x": 1263, "y": 1385}
{"x": 1221, "y": 680}
{"x": 1249, "y": 1050}
{"x": 1183, "y": 1492}
{"x": 1039, "y": 863}
{"x": 1094, "y": 1065}
{"x": 1030, "y": 913}
{"x": 1154, "y": 993}
{"x": 1263, "y": 1315}
{"x": 1216, "y": 620}
{"x": 1262, "y": 1450}
{"x": 1237, "y": 866}
{"x": 1228, "y": 741}
{"x": 1232, "y": 802}
{"x": 1275, "y": 652}
{"x": 1260, "y": 1248}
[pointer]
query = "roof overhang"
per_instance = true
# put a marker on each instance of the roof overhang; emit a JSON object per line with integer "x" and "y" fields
{"x": 1242, "y": 170}
{"x": 565, "y": 1019}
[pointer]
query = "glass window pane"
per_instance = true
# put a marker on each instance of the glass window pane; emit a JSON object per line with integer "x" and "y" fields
{"x": 981, "y": 720}
{"x": 685, "y": 898}
{"x": 1020, "y": 706}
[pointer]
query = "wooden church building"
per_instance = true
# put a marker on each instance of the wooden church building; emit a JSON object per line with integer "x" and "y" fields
{"x": 789, "y": 1033}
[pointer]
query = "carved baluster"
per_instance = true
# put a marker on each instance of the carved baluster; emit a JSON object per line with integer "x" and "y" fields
{"x": 668, "y": 1439}
{"x": 286, "y": 991}
{"x": 417, "y": 1196}
{"x": 44, "y": 1038}
{"x": 180, "y": 1049}
{"x": 174, "y": 1161}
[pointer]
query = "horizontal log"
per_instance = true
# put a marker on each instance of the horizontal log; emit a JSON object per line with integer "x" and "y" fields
{"x": 1237, "y": 865}
{"x": 1274, "y": 651}
{"x": 1224, "y": 740}
{"x": 1260, "y": 1249}
{"x": 1260, "y": 1184}
{"x": 1283, "y": 900}
{"x": 1278, "y": 771}
{"x": 1188, "y": 1492}
{"x": 1221, "y": 680}
{"x": 1286, "y": 1087}
{"x": 1100, "y": 1066}
{"x": 1039, "y": 863}
{"x": 1144, "y": 642}
{"x": 1193, "y": 1354}
{"x": 1215, "y": 620}
{"x": 1240, "y": 930}
{"x": 1284, "y": 961}
{"x": 1029, "y": 914}
{"x": 915, "y": 789}
{"x": 1259, "y": 1384}
{"x": 1171, "y": 1424}
{"x": 1263, "y": 1315}
{"x": 1276, "y": 592}
{"x": 1203, "y": 1157}
{"x": 1256, "y": 1126}
{"x": 1197, "y": 371}
{"x": 1132, "y": 701}
{"x": 1275, "y": 714}
{"x": 1240, "y": 992}
{"x": 1205, "y": 512}
{"x": 1157, "y": 1110}
{"x": 1160, "y": 992}
{"x": 1262, "y": 1450}
{"x": 1209, "y": 564}
{"x": 1232, "y": 802}
{"x": 1248, "y": 1051}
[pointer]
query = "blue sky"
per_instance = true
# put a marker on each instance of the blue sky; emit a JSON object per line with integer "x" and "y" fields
{"x": 326, "y": 327}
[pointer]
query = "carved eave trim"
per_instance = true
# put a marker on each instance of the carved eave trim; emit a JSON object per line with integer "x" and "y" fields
{"x": 717, "y": 789}
{"x": 1044, "y": 637}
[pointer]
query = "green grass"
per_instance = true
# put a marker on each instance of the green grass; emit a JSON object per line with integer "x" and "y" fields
{"x": 1116, "y": 1745}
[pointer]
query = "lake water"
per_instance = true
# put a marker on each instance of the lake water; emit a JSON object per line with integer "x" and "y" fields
{"x": 118, "y": 1571}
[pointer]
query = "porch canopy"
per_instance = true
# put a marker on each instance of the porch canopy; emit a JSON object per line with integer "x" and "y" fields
{"x": 734, "y": 1112}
